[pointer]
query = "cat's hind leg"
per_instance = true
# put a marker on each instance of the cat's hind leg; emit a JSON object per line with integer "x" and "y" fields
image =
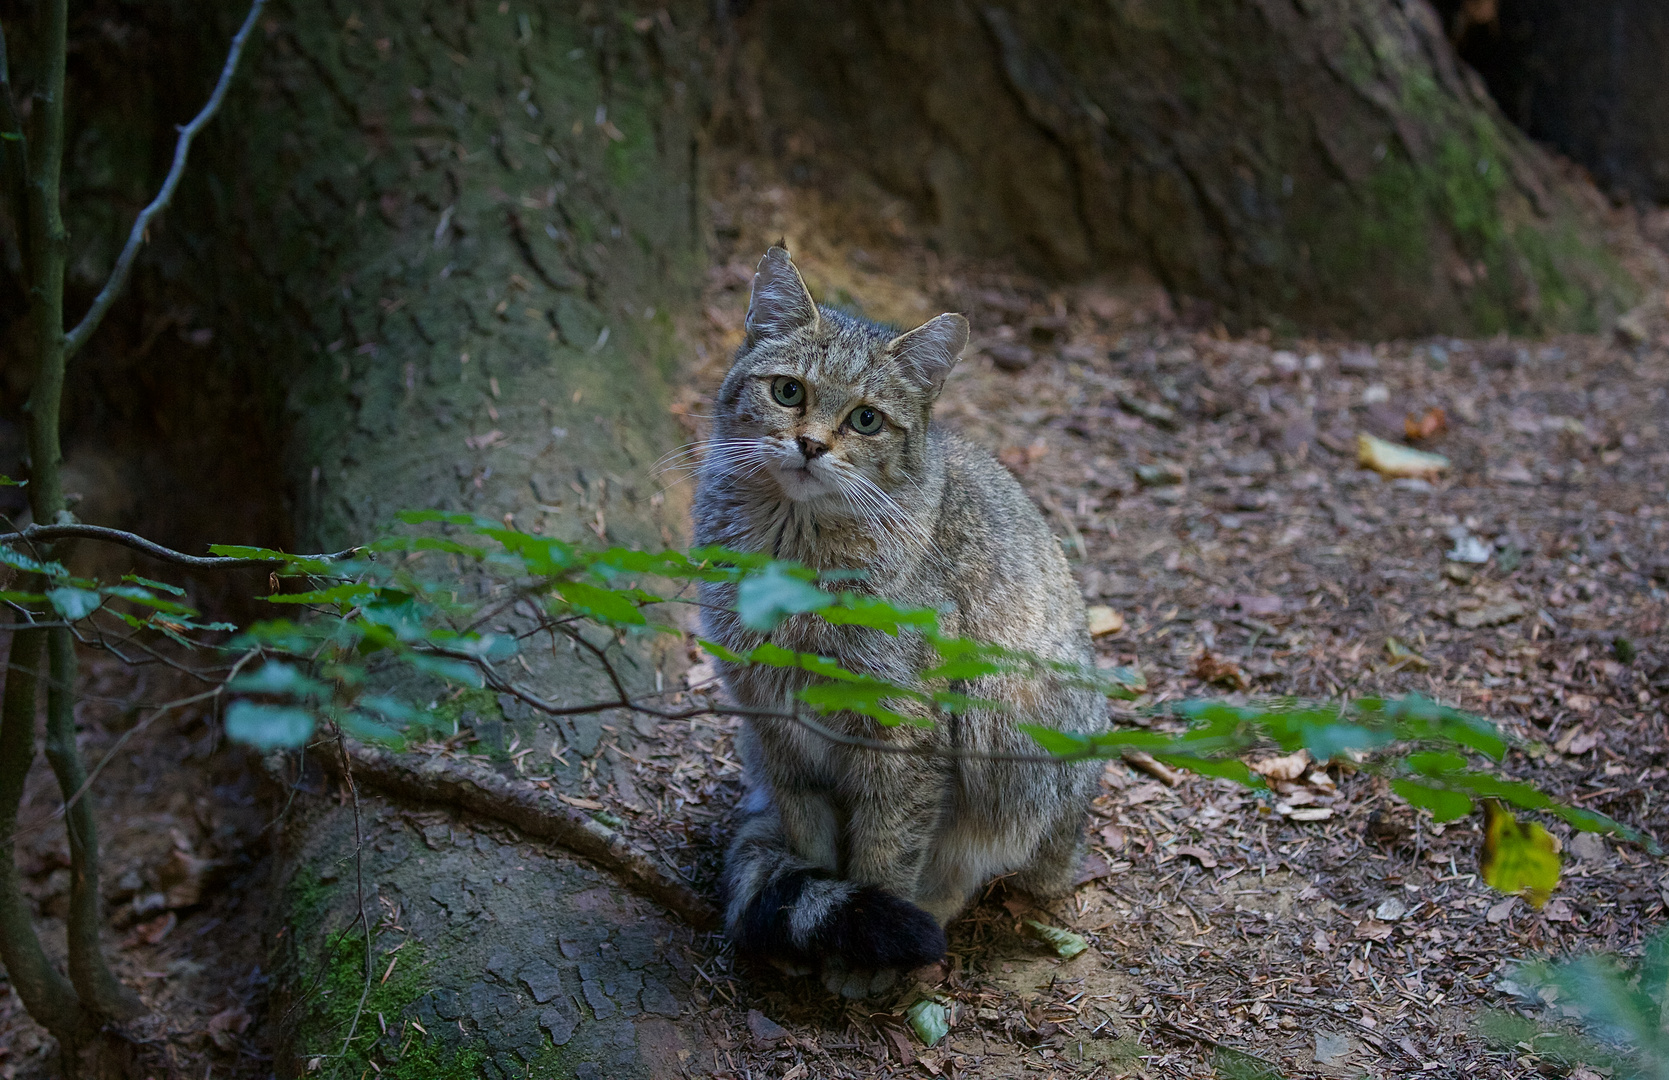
{"x": 1053, "y": 870}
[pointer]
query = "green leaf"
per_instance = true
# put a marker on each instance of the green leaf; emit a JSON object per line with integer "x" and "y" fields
{"x": 774, "y": 655}
{"x": 1124, "y": 683}
{"x": 302, "y": 563}
{"x": 1221, "y": 768}
{"x": 388, "y": 708}
{"x": 346, "y": 594}
{"x": 268, "y": 727}
{"x": 446, "y": 668}
{"x": 607, "y": 605}
{"x": 73, "y": 603}
{"x": 277, "y": 677}
{"x": 1518, "y": 857}
{"x": 6, "y": 481}
{"x": 149, "y": 584}
{"x": 1058, "y": 743}
{"x": 421, "y": 517}
{"x": 719, "y": 652}
{"x": 12, "y": 596}
{"x": 1436, "y": 762}
{"x": 1065, "y": 943}
{"x": 9, "y": 557}
{"x": 365, "y": 729}
{"x": 930, "y": 1020}
{"x": 136, "y": 595}
{"x": 764, "y": 599}
{"x": 867, "y": 697}
{"x": 1445, "y": 805}
{"x": 857, "y": 609}
{"x": 966, "y": 668}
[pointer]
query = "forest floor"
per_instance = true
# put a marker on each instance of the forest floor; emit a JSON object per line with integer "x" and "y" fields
{"x": 1206, "y": 489}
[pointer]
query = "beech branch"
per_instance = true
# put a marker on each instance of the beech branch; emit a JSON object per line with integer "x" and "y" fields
{"x": 136, "y": 237}
{"x": 79, "y": 531}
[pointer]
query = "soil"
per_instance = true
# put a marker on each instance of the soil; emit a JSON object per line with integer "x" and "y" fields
{"x": 1207, "y": 490}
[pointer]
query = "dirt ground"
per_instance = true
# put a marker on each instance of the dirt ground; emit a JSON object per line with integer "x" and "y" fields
{"x": 1206, "y": 488}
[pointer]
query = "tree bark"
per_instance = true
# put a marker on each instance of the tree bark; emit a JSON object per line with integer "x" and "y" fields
{"x": 1296, "y": 164}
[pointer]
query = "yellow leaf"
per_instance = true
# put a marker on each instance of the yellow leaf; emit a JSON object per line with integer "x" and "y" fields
{"x": 1390, "y": 459}
{"x": 1518, "y": 857}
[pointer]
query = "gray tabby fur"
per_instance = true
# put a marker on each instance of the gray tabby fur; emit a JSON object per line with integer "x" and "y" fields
{"x": 934, "y": 522}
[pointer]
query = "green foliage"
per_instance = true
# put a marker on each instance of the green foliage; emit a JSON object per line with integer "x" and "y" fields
{"x": 1622, "y": 1008}
{"x": 379, "y": 637}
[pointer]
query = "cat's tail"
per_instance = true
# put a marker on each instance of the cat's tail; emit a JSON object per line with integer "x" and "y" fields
{"x": 779, "y": 907}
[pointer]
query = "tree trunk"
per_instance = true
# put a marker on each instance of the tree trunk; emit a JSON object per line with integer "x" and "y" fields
{"x": 1321, "y": 165}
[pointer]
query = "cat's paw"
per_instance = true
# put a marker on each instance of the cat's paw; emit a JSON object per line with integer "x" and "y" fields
{"x": 857, "y": 983}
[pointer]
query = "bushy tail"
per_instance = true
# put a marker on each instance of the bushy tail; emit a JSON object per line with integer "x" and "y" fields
{"x": 777, "y": 906}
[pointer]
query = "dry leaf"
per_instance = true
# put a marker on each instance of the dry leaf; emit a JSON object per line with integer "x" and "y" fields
{"x": 1499, "y": 910}
{"x": 1103, "y": 620}
{"x": 1199, "y": 854}
{"x": 1404, "y": 657}
{"x": 1220, "y": 671}
{"x": 583, "y": 804}
{"x": 1434, "y": 422}
{"x": 1290, "y": 767}
{"x": 226, "y": 1025}
{"x": 1497, "y": 614}
{"x": 1373, "y": 930}
{"x": 1390, "y": 459}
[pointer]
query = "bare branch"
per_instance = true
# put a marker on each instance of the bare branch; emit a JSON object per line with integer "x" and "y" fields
{"x": 136, "y": 238}
{"x": 78, "y": 531}
{"x": 14, "y": 152}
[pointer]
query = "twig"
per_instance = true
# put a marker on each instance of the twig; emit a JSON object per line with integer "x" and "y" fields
{"x": 1141, "y": 759}
{"x": 359, "y": 884}
{"x": 136, "y": 237}
{"x": 78, "y": 531}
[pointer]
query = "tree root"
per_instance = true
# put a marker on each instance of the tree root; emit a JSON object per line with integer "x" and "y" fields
{"x": 529, "y": 810}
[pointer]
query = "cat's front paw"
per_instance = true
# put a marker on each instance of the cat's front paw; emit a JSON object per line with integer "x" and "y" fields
{"x": 857, "y": 983}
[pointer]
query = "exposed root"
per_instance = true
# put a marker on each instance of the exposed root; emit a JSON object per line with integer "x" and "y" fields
{"x": 529, "y": 810}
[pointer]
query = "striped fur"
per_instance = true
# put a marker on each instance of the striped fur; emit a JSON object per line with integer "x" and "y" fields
{"x": 846, "y": 858}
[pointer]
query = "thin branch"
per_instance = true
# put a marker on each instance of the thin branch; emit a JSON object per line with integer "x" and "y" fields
{"x": 14, "y": 151}
{"x": 359, "y": 880}
{"x": 136, "y": 238}
{"x": 78, "y": 531}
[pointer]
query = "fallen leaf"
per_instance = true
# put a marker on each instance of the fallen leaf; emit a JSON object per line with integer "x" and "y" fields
{"x": 1160, "y": 474}
{"x": 1198, "y": 854}
{"x": 583, "y": 804}
{"x": 1497, "y": 614}
{"x": 1142, "y": 793}
{"x": 1065, "y": 943}
{"x": 930, "y": 1020}
{"x": 1390, "y": 459}
{"x": 1259, "y": 605}
{"x": 1113, "y": 837}
{"x": 1094, "y": 869}
{"x": 152, "y": 933}
{"x": 901, "y": 1043}
{"x": 1559, "y": 911}
{"x": 1306, "y": 813}
{"x": 764, "y": 1028}
{"x": 1103, "y": 620}
{"x": 798, "y": 1072}
{"x": 1289, "y": 767}
{"x": 1333, "y": 1050}
{"x": 1390, "y": 909}
{"x": 1404, "y": 657}
{"x": 1220, "y": 671}
{"x": 701, "y": 675}
{"x": 483, "y": 441}
{"x": 1578, "y": 740}
{"x": 226, "y": 1025}
{"x": 1499, "y": 910}
{"x": 1373, "y": 930}
{"x": 1434, "y": 422}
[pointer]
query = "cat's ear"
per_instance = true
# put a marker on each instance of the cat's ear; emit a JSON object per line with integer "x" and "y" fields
{"x": 928, "y": 352}
{"x": 780, "y": 303}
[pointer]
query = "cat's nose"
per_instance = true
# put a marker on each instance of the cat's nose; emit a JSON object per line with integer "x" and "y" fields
{"x": 812, "y": 448}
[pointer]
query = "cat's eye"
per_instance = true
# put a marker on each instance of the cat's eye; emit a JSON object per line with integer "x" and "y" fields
{"x": 865, "y": 420}
{"x": 789, "y": 392}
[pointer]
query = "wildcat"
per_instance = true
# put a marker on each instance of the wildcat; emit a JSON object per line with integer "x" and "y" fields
{"x": 823, "y": 451}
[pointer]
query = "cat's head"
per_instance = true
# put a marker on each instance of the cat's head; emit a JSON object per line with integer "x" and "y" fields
{"x": 824, "y": 404}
